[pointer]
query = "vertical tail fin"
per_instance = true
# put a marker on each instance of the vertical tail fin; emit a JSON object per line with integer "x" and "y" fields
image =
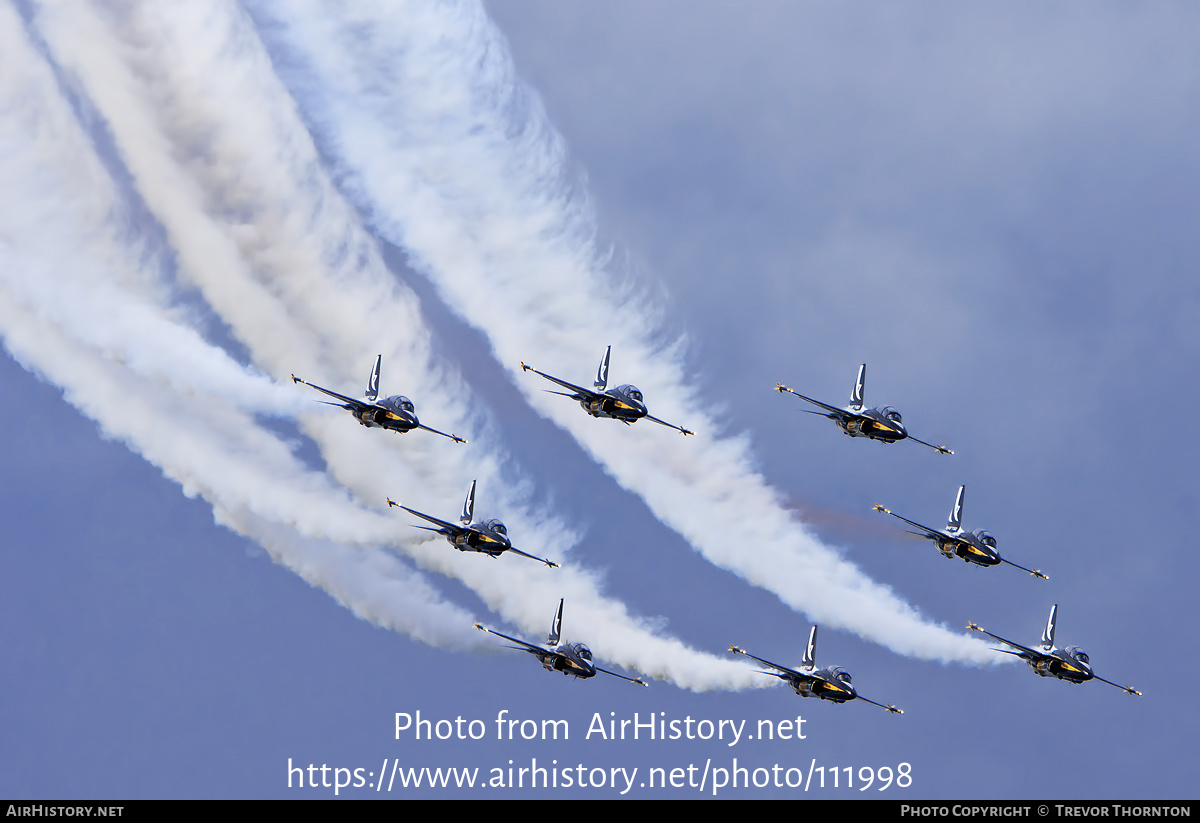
{"x": 602, "y": 373}
{"x": 856, "y": 396}
{"x": 954, "y": 522}
{"x": 1048, "y": 632}
{"x": 555, "y": 627}
{"x": 373, "y": 380}
{"x": 468, "y": 512}
{"x": 810, "y": 651}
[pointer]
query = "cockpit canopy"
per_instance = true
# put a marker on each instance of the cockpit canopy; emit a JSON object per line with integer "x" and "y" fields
{"x": 986, "y": 539}
{"x": 1079, "y": 654}
{"x": 497, "y": 527}
{"x": 632, "y": 392}
{"x": 584, "y": 652}
{"x": 398, "y": 402}
{"x": 891, "y": 414}
{"x": 841, "y": 674}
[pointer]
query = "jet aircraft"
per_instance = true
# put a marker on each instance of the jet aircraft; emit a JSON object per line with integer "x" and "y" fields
{"x": 978, "y": 547}
{"x": 1070, "y": 664}
{"x": 830, "y": 683}
{"x": 488, "y": 537}
{"x": 573, "y": 659}
{"x": 856, "y": 420}
{"x": 624, "y": 403}
{"x": 396, "y": 412}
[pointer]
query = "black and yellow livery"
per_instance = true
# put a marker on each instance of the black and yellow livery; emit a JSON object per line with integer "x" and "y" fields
{"x": 572, "y": 659}
{"x": 1071, "y": 664}
{"x": 396, "y": 413}
{"x": 624, "y": 403}
{"x": 831, "y": 683}
{"x": 883, "y": 424}
{"x": 976, "y": 547}
{"x": 488, "y": 537}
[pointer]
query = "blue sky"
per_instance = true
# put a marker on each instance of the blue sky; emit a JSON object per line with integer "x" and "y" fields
{"x": 993, "y": 209}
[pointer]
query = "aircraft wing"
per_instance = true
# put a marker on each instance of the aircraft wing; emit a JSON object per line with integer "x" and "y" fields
{"x": 787, "y": 672}
{"x": 1026, "y": 651}
{"x": 669, "y": 425}
{"x": 637, "y": 680}
{"x": 1034, "y": 572}
{"x": 889, "y": 707}
{"x": 834, "y": 411}
{"x": 580, "y": 392}
{"x": 453, "y": 437}
{"x": 938, "y": 447}
{"x": 540, "y": 651}
{"x": 351, "y": 403}
{"x": 450, "y": 528}
{"x": 932, "y": 533}
{"x": 1126, "y": 689}
{"x": 549, "y": 563}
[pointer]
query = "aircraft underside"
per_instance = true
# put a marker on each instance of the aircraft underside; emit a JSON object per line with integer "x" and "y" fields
{"x": 865, "y": 428}
{"x": 808, "y": 689}
{"x": 1054, "y": 668}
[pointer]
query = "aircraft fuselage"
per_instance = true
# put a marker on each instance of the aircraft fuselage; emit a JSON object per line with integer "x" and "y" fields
{"x": 616, "y": 404}
{"x": 390, "y": 413}
{"x": 874, "y": 425}
{"x": 479, "y": 541}
{"x": 1062, "y": 666}
{"x": 969, "y": 550}
{"x": 569, "y": 661}
{"x": 824, "y": 685}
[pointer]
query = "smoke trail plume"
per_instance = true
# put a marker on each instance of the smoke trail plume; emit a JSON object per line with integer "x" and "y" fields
{"x": 454, "y": 160}
{"x": 78, "y": 307}
{"x": 292, "y": 290}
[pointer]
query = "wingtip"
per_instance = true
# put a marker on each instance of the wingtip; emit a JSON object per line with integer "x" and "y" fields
{"x": 392, "y": 502}
{"x": 779, "y": 387}
{"x": 1132, "y": 690}
{"x": 879, "y": 508}
{"x": 686, "y": 432}
{"x": 524, "y": 366}
{"x": 943, "y": 450}
{"x": 893, "y": 709}
{"x": 296, "y": 379}
{"x": 641, "y": 682}
{"x": 458, "y": 439}
{"x": 973, "y": 627}
{"x": 480, "y": 627}
{"x": 735, "y": 649}
{"x": 1038, "y": 573}
{"x": 551, "y": 564}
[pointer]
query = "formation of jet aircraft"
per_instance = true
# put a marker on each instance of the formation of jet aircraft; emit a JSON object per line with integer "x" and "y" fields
{"x": 830, "y": 683}
{"x": 488, "y": 537}
{"x": 977, "y": 547}
{"x": 572, "y": 659}
{"x": 1071, "y": 664}
{"x": 396, "y": 412}
{"x": 624, "y": 403}
{"x": 883, "y": 424}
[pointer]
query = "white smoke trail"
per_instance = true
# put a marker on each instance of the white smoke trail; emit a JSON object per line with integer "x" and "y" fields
{"x": 454, "y": 160}
{"x": 228, "y": 220}
{"x": 69, "y": 310}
